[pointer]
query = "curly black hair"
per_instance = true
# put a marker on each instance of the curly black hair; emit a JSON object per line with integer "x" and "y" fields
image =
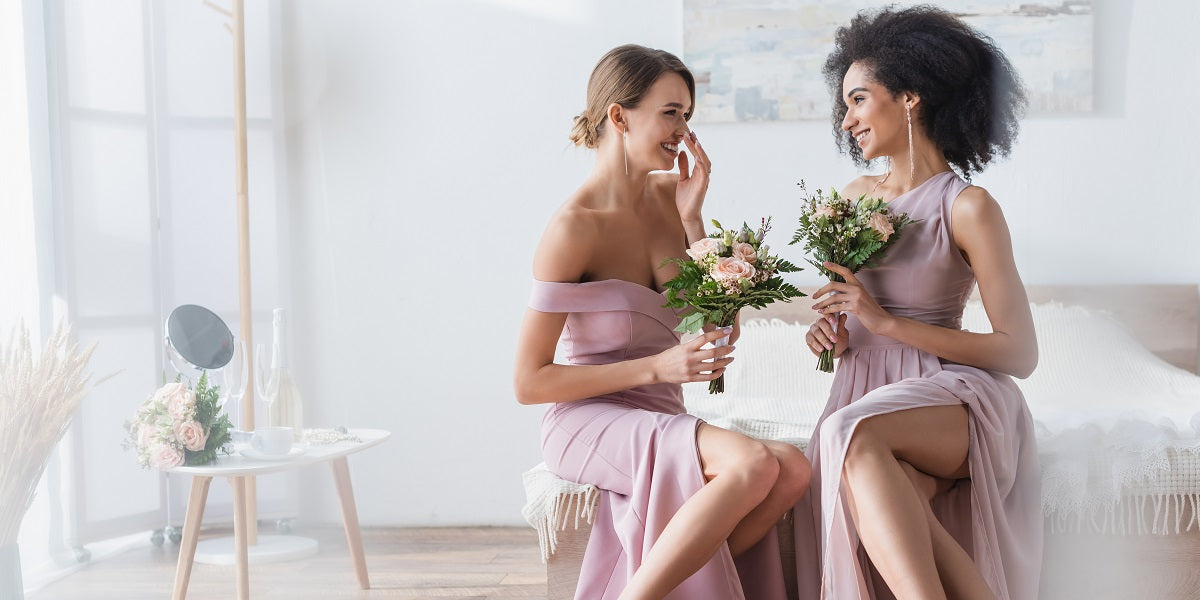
{"x": 971, "y": 97}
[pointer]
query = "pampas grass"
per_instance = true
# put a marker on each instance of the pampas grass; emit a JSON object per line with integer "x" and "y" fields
{"x": 36, "y": 404}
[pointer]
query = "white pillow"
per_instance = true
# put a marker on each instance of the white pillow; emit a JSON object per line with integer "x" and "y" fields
{"x": 1092, "y": 371}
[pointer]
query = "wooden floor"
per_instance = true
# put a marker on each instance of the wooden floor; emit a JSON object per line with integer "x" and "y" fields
{"x": 443, "y": 563}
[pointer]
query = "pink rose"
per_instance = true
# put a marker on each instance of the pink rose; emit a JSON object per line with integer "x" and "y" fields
{"x": 826, "y": 211}
{"x": 744, "y": 252}
{"x": 191, "y": 435}
{"x": 165, "y": 456}
{"x": 180, "y": 401}
{"x": 882, "y": 225}
{"x": 732, "y": 270}
{"x": 703, "y": 247}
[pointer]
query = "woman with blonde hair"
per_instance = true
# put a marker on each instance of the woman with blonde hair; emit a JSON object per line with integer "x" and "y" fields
{"x": 679, "y": 499}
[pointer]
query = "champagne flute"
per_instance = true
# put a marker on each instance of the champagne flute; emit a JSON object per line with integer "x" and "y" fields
{"x": 261, "y": 374}
{"x": 234, "y": 377}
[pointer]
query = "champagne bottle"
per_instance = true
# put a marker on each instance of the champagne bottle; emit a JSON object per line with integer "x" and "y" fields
{"x": 282, "y": 395}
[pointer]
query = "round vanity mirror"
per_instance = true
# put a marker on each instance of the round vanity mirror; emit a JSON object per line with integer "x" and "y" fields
{"x": 199, "y": 336}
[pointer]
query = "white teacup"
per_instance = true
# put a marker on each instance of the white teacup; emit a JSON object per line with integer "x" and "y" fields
{"x": 272, "y": 440}
{"x": 239, "y": 436}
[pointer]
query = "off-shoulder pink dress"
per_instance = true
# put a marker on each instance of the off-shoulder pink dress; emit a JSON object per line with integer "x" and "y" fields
{"x": 996, "y": 516}
{"x": 638, "y": 446}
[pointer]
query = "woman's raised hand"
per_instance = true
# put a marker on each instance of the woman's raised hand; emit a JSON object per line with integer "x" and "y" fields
{"x": 689, "y": 192}
{"x": 690, "y": 361}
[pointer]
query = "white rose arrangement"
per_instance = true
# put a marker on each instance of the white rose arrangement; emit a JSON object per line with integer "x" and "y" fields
{"x": 179, "y": 426}
{"x": 729, "y": 270}
{"x": 850, "y": 233}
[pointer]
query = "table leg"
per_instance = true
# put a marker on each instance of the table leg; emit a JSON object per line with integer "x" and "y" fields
{"x": 241, "y": 552}
{"x": 191, "y": 535}
{"x": 341, "y": 476}
{"x": 251, "y": 511}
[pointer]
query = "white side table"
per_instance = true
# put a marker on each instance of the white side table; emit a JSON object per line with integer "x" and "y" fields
{"x": 237, "y": 468}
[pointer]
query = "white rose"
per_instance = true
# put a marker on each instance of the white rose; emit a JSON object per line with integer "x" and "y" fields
{"x": 703, "y": 247}
{"x": 181, "y": 402}
{"x": 145, "y": 435}
{"x": 165, "y": 456}
{"x": 745, "y": 252}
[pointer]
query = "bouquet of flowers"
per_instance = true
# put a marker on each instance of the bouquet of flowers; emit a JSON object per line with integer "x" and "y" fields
{"x": 851, "y": 233}
{"x": 728, "y": 270}
{"x": 179, "y": 426}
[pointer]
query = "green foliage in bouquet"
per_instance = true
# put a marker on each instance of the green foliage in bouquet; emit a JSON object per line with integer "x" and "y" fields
{"x": 850, "y": 233}
{"x": 208, "y": 410}
{"x": 714, "y": 288}
{"x": 178, "y": 425}
{"x": 728, "y": 271}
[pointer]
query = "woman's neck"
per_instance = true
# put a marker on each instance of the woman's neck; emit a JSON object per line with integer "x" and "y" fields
{"x": 613, "y": 186}
{"x": 903, "y": 175}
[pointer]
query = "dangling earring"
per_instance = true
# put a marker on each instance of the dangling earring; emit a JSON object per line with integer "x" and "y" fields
{"x": 625, "y": 149}
{"x": 912, "y": 164}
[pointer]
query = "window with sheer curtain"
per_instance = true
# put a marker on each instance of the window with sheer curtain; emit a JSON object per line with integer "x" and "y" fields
{"x": 140, "y": 155}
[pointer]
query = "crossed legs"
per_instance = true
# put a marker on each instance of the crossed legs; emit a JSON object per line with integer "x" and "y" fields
{"x": 895, "y": 464}
{"x": 751, "y": 484}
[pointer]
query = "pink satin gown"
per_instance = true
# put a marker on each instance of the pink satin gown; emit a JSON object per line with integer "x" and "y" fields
{"x": 996, "y": 516}
{"x": 638, "y": 446}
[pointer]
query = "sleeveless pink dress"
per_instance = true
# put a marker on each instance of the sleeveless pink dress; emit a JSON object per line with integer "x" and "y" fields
{"x": 996, "y": 516}
{"x": 638, "y": 446}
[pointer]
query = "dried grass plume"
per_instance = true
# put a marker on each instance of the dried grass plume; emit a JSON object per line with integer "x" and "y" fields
{"x": 37, "y": 401}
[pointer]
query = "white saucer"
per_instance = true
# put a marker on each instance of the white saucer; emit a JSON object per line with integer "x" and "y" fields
{"x": 256, "y": 455}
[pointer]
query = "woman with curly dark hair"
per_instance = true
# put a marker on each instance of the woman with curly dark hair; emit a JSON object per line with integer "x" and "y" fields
{"x": 925, "y": 461}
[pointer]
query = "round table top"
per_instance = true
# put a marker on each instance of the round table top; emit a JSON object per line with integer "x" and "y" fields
{"x": 237, "y": 463}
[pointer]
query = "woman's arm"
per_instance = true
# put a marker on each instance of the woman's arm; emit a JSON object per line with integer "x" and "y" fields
{"x": 980, "y": 231}
{"x": 537, "y": 379}
{"x": 562, "y": 256}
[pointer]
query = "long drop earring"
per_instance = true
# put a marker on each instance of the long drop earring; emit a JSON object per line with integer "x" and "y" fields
{"x": 912, "y": 163}
{"x": 625, "y": 149}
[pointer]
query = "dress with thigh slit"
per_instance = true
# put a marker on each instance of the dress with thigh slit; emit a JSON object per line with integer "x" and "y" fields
{"x": 996, "y": 515}
{"x": 638, "y": 446}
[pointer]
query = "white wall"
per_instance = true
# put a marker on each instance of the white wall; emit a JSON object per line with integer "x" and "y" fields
{"x": 428, "y": 145}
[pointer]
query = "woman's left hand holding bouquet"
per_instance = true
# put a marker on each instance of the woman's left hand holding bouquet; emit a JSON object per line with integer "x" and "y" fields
{"x": 851, "y": 297}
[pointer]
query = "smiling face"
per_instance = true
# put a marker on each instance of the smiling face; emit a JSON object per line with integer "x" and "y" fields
{"x": 658, "y": 123}
{"x": 874, "y": 117}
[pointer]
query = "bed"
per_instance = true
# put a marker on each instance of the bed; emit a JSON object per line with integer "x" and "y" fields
{"x": 1116, "y": 399}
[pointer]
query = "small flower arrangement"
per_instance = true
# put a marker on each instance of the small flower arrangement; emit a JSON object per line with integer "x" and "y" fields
{"x": 179, "y": 426}
{"x": 729, "y": 270}
{"x": 851, "y": 233}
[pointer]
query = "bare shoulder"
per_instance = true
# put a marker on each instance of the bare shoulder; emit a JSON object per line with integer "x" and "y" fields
{"x": 977, "y": 225}
{"x": 975, "y": 207}
{"x": 859, "y": 185}
{"x": 565, "y": 249}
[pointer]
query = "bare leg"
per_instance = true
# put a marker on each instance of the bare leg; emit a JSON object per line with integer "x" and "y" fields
{"x": 958, "y": 573}
{"x": 741, "y": 473}
{"x": 792, "y": 484}
{"x": 890, "y": 514}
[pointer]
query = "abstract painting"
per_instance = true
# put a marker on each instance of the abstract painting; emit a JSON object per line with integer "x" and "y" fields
{"x": 760, "y": 60}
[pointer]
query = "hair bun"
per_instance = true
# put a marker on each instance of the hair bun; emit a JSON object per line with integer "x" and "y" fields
{"x": 582, "y": 133}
